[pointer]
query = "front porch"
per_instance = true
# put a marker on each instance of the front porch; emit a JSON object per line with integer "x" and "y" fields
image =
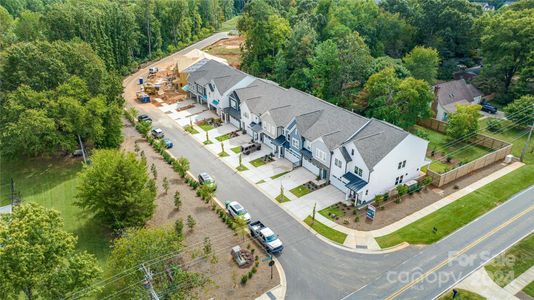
{"x": 355, "y": 188}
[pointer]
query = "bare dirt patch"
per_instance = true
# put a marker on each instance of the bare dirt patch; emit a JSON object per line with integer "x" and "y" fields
{"x": 222, "y": 270}
{"x": 394, "y": 212}
{"x": 229, "y": 49}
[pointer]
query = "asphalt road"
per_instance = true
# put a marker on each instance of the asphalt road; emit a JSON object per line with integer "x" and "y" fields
{"x": 315, "y": 269}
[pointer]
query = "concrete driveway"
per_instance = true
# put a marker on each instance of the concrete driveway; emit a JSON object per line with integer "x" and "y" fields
{"x": 315, "y": 269}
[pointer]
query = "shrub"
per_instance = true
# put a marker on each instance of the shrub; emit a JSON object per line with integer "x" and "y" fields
{"x": 191, "y": 222}
{"x": 256, "y": 264}
{"x": 494, "y": 125}
{"x": 254, "y": 270}
{"x": 422, "y": 134}
{"x": 345, "y": 222}
{"x": 177, "y": 200}
{"x": 207, "y": 246}
{"x": 357, "y": 219}
{"x": 244, "y": 279}
{"x": 249, "y": 274}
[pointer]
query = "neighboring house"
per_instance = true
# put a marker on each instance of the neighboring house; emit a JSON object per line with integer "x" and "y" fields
{"x": 362, "y": 157}
{"x": 211, "y": 83}
{"x": 451, "y": 93}
{"x": 187, "y": 60}
{"x": 467, "y": 73}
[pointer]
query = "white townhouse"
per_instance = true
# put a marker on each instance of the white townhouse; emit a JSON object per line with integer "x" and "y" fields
{"x": 362, "y": 157}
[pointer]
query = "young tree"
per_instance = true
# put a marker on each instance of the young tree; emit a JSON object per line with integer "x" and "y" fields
{"x": 313, "y": 213}
{"x": 179, "y": 227}
{"x": 154, "y": 171}
{"x": 166, "y": 185}
{"x": 241, "y": 227}
{"x": 325, "y": 70}
{"x": 463, "y": 123}
{"x": 177, "y": 200}
{"x": 39, "y": 258}
{"x": 191, "y": 222}
{"x": 521, "y": 111}
{"x": 116, "y": 187}
{"x": 423, "y": 63}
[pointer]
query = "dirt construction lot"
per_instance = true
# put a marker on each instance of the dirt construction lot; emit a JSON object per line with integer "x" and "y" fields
{"x": 229, "y": 49}
{"x": 222, "y": 270}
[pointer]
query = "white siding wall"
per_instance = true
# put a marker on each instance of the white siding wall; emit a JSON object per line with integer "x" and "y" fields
{"x": 440, "y": 114}
{"x": 319, "y": 144}
{"x": 225, "y": 98}
{"x": 357, "y": 161}
{"x": 247, "y": 120}
{"x": 382, "y": 179}
{"x": 335, "y": 171}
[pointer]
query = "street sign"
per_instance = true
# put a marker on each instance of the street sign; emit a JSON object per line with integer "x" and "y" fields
{"x": 371, "y": 210}
{"x": 268, "y": 258}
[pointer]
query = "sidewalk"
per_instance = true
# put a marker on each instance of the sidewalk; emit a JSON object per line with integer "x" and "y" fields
{"x": 480, "y": 282}
{"x": 445, "y": 201}
{"x": 520, "y": 282}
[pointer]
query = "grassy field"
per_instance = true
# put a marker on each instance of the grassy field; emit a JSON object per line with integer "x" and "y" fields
{"x": 462, "y": 295}
{"x": 462, "y": 211}
{"x": 241, "y": 168}
{"x": 333, "y": 209}
{"x": 460, "y": 152}
{"x": 517, "y": 136}
{"x": 329, "y": 233}
{"x": 300, "y": 191}
{"x": 230, "y": 24}
{"x": 206, "y": 127}
{"x": 512, "y": 263}
{"x": 223, "y": 137}
{"x": 223, "y": 154}
{"x": 52, "y": 183}
{"x": 190, "y": 129}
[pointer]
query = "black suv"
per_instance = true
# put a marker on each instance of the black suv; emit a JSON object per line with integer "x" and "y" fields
{"x": 488, "y": 108}
{"x": 144, "y": 118}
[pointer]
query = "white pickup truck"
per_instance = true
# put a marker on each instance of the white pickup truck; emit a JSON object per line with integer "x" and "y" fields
{"x": 266, "y": 237}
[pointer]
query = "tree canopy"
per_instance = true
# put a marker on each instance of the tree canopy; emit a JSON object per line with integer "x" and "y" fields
{"x": 38, "y": 258}
{"x": 521, "y": 111}
{"x": 423, "y": 63}
{"x": 117, "y": 189}
{"x": 463, "y": 123}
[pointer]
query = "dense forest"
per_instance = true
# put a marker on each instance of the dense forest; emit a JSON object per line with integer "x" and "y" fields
{"x": 382, "y": 59}
{"x": 61, "y": 62}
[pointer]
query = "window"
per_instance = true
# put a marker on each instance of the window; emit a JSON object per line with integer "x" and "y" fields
{"x": 358, "y": 171}
{"x": 295, "y": 143}
{"x": 366, "y": 192}
{"x": 402, "y": 164}
{"x": 338, "y": 163}
{"x": 399, "y": 179}
{"x": 320, "y": 154}
{"x": 352, "y": 152}
{"x": 246, "y": 115}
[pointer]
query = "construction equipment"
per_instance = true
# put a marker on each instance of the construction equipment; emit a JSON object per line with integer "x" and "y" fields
{"x": 143, "y": 97}
{"x": 151, "y": 89}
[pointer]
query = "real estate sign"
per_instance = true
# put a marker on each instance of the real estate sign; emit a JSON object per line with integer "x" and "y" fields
{"x": 371, "y": 210}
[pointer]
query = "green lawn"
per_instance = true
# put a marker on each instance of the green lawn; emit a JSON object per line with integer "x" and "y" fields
{"x": 260, "y": 182}
{"x": 460, "y": 151}
{"x": 282, "y": 198}
{"x": 300, "y": 191}
{"x": 52, "y": 183}
{"x": 190, "y": 129}
{"x": 206, "y": 127}
{"x": 522, "y": 254}
{"x": 529, "y": 289}
{"x": 223, "y": 137}
{"x": 207, "y": 142}
{"x": 258, "y": 162}
{"x": 241, "y": 168}
{"x": 462, "y": 211}
{"x": 462, "y": 295}
{"x": 229, "y": 24}
{"x": 333, "y": 209}
{"x": 279, "y": 175}
{"x": 517, "y": 136}
{"x": 327, "y": 232}
{"x": 236, "y": 149}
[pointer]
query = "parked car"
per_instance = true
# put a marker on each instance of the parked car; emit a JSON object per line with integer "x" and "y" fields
{"x": 236, "y": 210}
{"x": 153, "y": 70}
{"x": 144, "y": 118}
{"x": 249, "y": 148}
{"x": 488, "y": 108}
{"x": 266, "y": 237}
{"x": 157, "y": 133}
{"x": 205, "y": 178}
{"x": 168, "y": 143}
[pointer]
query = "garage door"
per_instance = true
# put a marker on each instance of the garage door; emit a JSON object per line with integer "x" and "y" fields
{"x": 311, "y": 167}
{"x": 234, "y": 121}
{"x": 289, "y": 155}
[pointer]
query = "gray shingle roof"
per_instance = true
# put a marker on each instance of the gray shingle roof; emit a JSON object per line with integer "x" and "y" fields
{"x": 225, "y": 77}
{"x": 376, "y": 140}
{"x": 455, "y": 91}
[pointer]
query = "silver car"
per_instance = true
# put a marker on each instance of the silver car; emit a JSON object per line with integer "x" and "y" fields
{"x": 236, "y": 210}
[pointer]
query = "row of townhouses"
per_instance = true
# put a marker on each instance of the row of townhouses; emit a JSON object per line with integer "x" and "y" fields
{"x": 360, "y": 156}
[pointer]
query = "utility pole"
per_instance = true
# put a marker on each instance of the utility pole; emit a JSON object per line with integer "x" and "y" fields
{"x": 527, "y": 142}
{"x": 148, "y": 282}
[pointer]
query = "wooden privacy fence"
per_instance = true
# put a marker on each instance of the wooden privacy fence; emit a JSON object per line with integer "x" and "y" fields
{"x": 501, "y": 149}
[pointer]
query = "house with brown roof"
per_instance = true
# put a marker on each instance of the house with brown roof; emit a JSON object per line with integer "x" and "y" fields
{"x": 452, "y": 93}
